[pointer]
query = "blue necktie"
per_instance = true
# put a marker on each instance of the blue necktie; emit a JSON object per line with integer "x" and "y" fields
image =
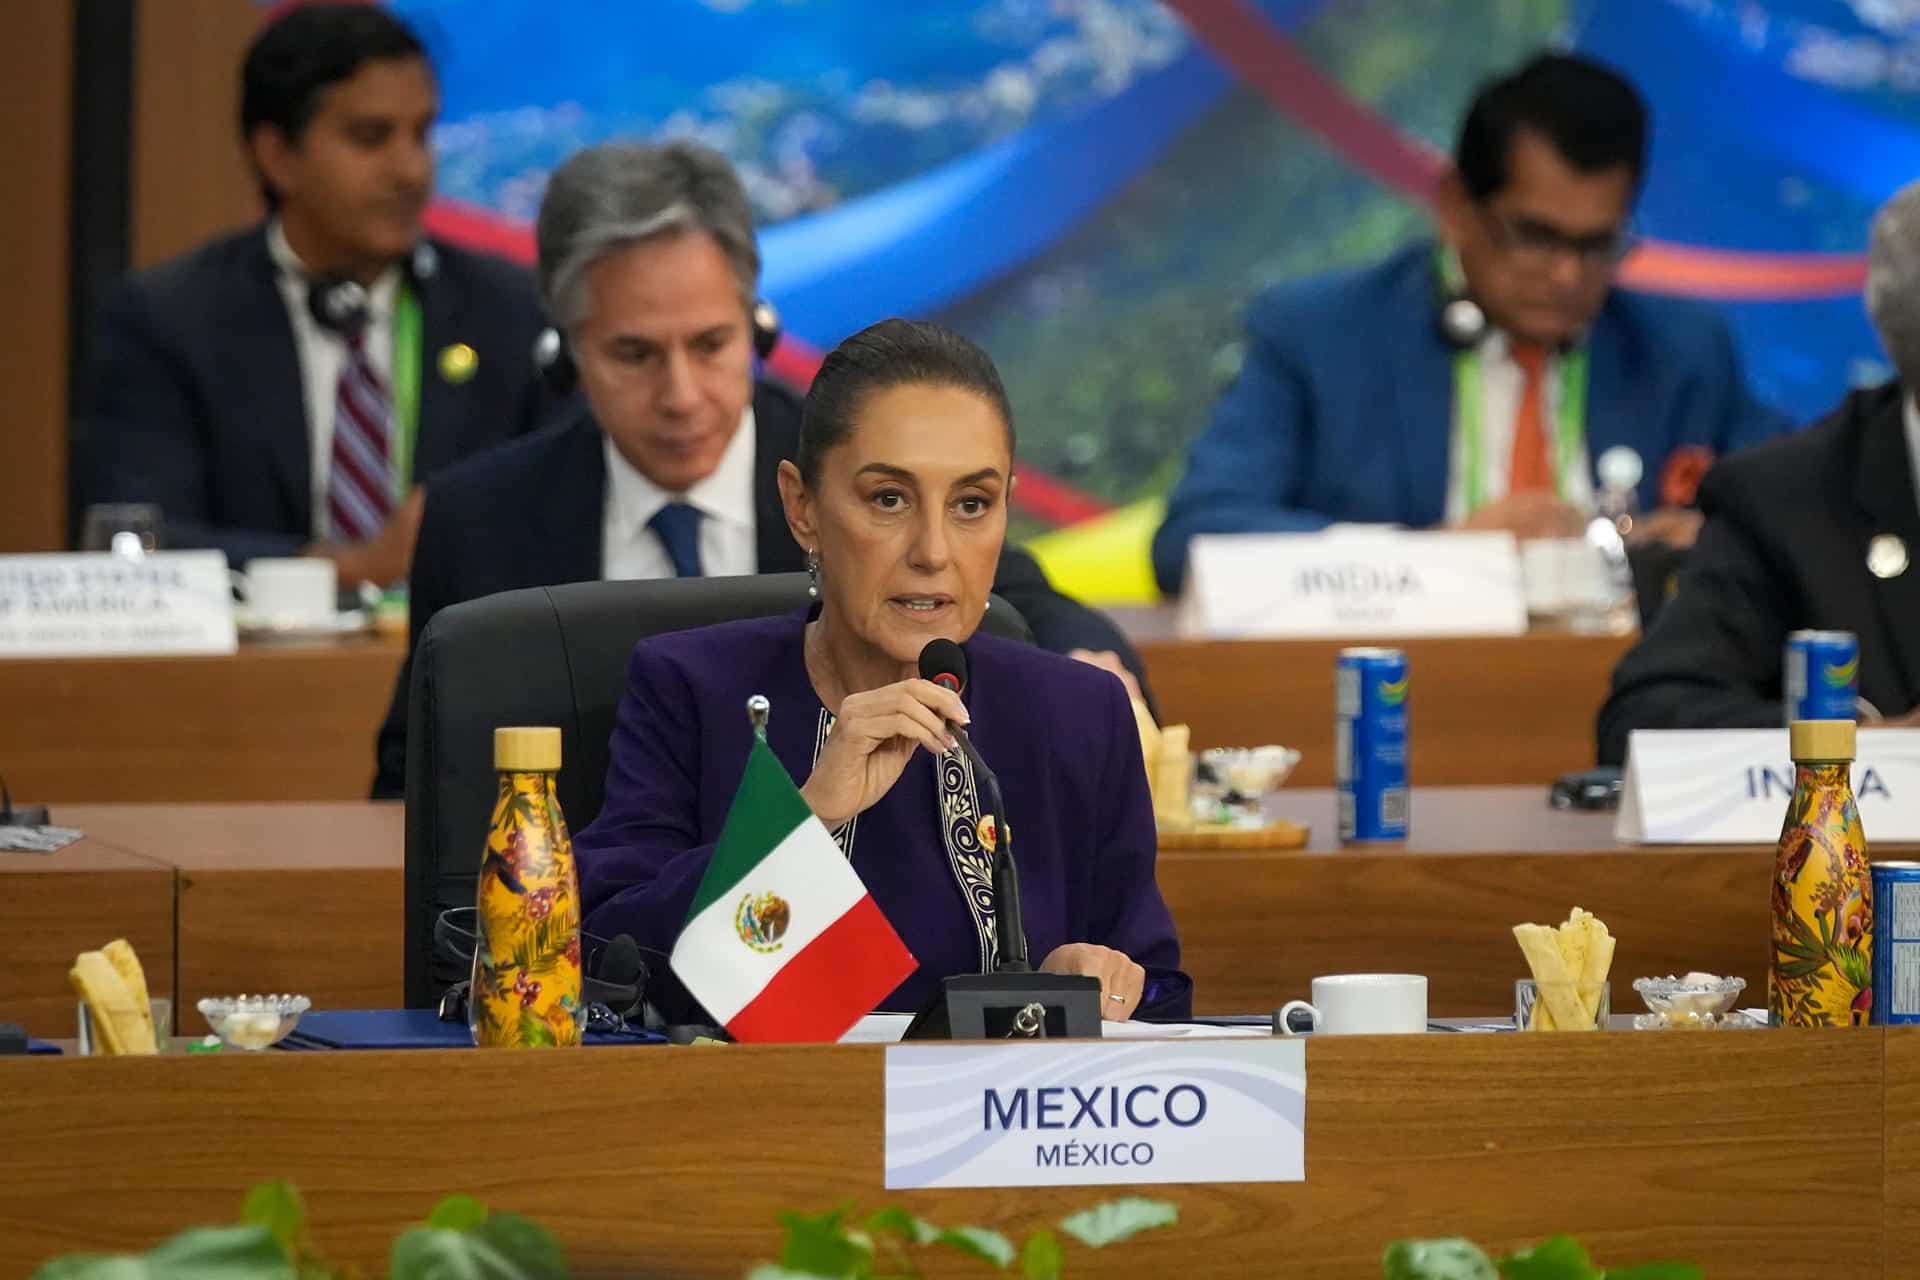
{"x": 678, "y": 527}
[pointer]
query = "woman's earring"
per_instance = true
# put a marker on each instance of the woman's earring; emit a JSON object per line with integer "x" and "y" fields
{"x": 813, "y": 574}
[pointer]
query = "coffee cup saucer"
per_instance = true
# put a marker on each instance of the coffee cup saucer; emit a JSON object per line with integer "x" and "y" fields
{"x": 345, "y": 622}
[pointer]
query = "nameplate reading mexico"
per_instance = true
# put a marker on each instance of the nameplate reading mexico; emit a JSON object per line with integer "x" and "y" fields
{"x": 1061, "y": 1114}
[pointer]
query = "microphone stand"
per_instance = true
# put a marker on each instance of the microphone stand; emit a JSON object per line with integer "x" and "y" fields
{"x": 1012, "y": 1001}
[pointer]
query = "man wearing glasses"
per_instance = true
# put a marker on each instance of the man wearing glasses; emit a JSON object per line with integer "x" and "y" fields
{"x": 1473, "y": 382}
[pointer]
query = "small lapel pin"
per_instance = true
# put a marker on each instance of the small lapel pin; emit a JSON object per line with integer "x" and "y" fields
{"x": 458, "y": 363}
{"x": 1887, "y": 556}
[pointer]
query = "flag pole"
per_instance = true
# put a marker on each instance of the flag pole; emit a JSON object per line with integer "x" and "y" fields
{"x": 758, "y": 709}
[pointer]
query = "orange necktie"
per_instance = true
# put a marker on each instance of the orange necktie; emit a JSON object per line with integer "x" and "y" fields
{"x": 1531, "y": 470}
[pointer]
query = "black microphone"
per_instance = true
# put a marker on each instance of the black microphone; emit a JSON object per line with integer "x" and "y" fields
{"x": 945, "y": 663}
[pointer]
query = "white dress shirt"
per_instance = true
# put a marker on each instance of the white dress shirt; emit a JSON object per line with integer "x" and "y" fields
{"x": 629, "y": 549}
{"x": 323, "y": 354}
{"x": 1501, "y": 382}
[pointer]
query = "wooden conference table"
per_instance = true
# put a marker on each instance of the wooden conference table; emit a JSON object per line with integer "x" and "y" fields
{"x": 297, "y": 722}
{"x": 1762, "y": 1155}
{"x": 308, "y": 898}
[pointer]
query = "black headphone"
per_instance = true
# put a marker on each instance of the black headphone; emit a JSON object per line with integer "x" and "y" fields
{"x": 613, "y": 973}
{"x": 554, "y": 361}
{"x": 340, "y": 304}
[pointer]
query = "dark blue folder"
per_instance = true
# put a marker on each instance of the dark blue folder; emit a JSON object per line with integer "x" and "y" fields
{"x": 409, "y": 1029}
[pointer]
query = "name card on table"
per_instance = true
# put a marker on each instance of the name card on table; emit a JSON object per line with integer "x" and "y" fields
{"x": 1064, "y": 1113}
{"x": 1731, "y": 786}
{"x": 99, "y": 604}
{"x": 1352, "y": 583}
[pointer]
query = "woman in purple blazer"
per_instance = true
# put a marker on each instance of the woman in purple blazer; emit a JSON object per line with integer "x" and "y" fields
{"x": 899, "y": 494}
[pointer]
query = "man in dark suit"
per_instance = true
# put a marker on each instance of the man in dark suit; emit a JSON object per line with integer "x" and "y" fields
{"x": 649, "y": 265}
{"x": 284, "y": 390}
{"x": 1814, "y": 531}
{"x": 1476, "y": 382}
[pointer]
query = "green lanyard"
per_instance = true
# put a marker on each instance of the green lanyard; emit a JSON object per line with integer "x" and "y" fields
{"x": 406, "y": 386}
{"x": 1469, "y": 404}
{"x": 1469, "y": 401}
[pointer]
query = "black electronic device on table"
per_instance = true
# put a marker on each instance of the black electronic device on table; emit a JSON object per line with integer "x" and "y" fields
{"x": 1591, "y": 789}
{"x": 21, "y": 815}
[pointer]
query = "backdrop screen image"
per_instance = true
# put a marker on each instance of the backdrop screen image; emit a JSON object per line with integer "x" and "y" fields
{"x": 1094, "y": 189}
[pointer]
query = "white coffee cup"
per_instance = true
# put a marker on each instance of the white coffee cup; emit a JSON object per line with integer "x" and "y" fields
{"x": 294, "y": 591}
{"x": 1363, "y": 1004}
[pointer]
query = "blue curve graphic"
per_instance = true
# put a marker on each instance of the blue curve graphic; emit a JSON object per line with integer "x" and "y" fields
{"x": 931, "y": 240}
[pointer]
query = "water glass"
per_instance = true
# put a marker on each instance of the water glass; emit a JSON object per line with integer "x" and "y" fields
{"x": 1526, "y": 993}
{"x": 162, "y": 1008}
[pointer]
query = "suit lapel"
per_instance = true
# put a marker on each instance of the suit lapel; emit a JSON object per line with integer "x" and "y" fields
{"x": 1423, "y": 392}
{"x": 266, "y": 372}
{"x": 569, "y": 543}
{"x": 1619, "y": 405}
{"x": 1885, "y": 490}
{"x": 776, "y": 428}
{"x": 439, "y": 312}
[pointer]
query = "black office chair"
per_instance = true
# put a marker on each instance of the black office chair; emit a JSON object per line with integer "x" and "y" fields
{"x": 543, "y": 656}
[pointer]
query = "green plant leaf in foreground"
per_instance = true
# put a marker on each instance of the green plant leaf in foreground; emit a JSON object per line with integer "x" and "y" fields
{"x": 1658, "y": 1271}
{"x": 978, "y": 1242}
{"x": 1106, "y": 1224}
{"x": 893, "y": 1220}
{"x": 457, "y": 1213}
{"x": 820, "y": 1246}
{"x": 1561, "y": 1258}
{"x": 502, "y": 1248}
{"x": 1042, "y": 1258}
{"x": 1436, "y": 1260}
{"x": 277, "y": 1206}
{"x": 210, "y": 1253}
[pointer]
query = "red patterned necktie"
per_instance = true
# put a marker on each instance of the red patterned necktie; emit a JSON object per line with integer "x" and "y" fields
{"x": 360, "y": 486}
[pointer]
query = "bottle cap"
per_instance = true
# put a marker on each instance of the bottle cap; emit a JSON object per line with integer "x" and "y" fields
{"x": 1816, "y": 740}
{"x": 532, "y": 750}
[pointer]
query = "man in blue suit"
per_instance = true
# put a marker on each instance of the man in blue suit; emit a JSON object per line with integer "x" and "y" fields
{"x": 1473, "y": 383}
{"x": 284, "y": 391}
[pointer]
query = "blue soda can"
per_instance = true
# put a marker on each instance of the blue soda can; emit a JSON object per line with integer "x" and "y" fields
{"x": 1370, "y": 743}
{"x": 1823, "y": 674}
{"x": 1896, "y": 943}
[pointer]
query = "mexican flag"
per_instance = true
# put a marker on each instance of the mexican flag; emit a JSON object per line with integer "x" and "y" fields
{"x": 782, "y": 942}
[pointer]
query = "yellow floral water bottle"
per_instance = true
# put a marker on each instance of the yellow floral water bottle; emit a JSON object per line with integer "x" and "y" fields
{"x": 1822, "y": 970}
{"x": 526, "y": 957}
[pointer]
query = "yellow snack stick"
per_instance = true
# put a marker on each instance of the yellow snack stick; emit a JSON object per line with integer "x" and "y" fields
{"x": 1599, "y": 964}
{"x": 108, "y": 1002}
{"x": 1149, "y": 748}
{"x": 1554, "y": 984}
{"x": 1173, "y": 772}
{"x": 1572, "y": 938}
{"x": 126, "y": 962}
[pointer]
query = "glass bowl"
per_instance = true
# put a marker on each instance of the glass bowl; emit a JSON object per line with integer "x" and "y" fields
{"x": 1250, "y": 772}
{"x": 253, "y": 1022}
{"x": 1699, "y": 1000}
{"x": 1231, "y": 784}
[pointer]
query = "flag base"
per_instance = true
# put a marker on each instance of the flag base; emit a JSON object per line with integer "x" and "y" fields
{"x": 1011, "y": 1006}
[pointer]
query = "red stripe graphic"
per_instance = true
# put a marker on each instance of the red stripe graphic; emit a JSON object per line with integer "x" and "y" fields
{"x": 830, "y": 985}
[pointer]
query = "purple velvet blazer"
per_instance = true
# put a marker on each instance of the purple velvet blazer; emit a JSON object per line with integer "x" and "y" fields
{"x": 1060, "y": 735}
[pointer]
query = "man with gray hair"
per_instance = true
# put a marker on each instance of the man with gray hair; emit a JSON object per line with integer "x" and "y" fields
{"x": 649, "y": 267}
{"x": 1817, "y": 530}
